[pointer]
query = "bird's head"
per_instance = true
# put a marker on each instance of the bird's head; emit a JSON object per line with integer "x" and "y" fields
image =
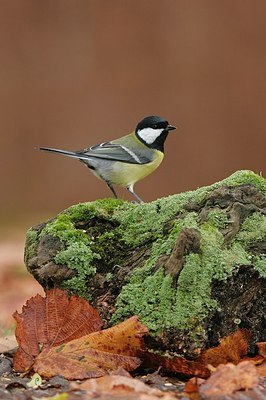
{"x": 153, "y": 131}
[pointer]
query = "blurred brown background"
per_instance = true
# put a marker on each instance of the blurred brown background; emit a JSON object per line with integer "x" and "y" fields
{"x": 77, "y": 72}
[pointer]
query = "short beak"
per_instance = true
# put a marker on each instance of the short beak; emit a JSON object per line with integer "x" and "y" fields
{"x": 170, "y": 128}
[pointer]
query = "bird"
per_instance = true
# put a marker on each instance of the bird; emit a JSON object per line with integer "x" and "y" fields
{"x": 128, "y": 159}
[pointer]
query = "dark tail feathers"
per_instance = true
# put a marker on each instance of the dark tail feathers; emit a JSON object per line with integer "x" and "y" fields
{"x": 63, "y": 152}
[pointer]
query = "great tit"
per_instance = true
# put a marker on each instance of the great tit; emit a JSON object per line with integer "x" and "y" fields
{"x": 126, "y": 160}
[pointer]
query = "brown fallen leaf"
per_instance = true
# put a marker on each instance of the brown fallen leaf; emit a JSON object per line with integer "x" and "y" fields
{"x": 95, "y": 354}
{"x": 231, "y": 349}
{"x": 121, "y": 387}
{"x": 229, "y": 378}
{"x": 50, "y": 321}
{"x": 192, "y": 388}
{"x": 177, "y": 365}
{"x": 261, "y": 367}
{"x": 261, "y": 348}
{"x": 56, "y": 336}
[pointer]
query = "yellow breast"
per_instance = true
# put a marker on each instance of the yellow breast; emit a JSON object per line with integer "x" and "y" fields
{"x": 124, "y": 174}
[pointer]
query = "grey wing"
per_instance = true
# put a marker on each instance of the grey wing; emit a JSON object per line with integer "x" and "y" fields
{"x": 114, "y": 152}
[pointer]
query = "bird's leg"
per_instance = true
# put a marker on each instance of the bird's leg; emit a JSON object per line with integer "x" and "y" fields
{"x": 130, "y": 189}
{"x": 112, "y": 190}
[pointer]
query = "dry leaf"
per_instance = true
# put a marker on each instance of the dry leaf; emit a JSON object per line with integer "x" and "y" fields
{"x": 57, "y": 336}
{"x": 50, "y": 321}
{"x": 95, "y": 354}
{"x": 121, "y": 387}
{"x": 231, "y": 349}
{"x": 192, "y": 388}
{"x": 261, "y": 368}
{"x": 230, "y": 378}
{"x": 177, "y": 365}
{"x": 262, "y": 348}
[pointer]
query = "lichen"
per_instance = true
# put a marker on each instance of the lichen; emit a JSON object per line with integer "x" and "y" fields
{"x": 259, "y": 263}
{"x": 193, "y": 297}
{"x": 31, "y": 244}
{"x": 63, "y": 228}
{"x": 218, "y": 218}
{"x": 190, "y": 302}
{"x": 103, "y": 208}
{"x": 146, "y": 222}
{"x": 109, "y": 277}
{"x": 79, "y": 257}
{"x": 253, "y": 230}
{"x": 80, "y": 250}
{"x": 163, "y": 245}
{"x": 151, "y": 300}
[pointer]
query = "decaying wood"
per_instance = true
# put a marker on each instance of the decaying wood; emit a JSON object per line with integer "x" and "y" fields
{"x": 241, "y": 298}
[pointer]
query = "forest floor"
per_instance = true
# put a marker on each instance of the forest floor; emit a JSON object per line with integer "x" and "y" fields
{"x": 17, "y": 286}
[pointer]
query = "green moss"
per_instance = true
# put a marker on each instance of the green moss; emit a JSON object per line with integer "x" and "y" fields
{"x": 106, "y": 242}
{"x": 246, "y": 177}
{"x": 253, "y": 230}
{"x": 109, "y": 277}
{"x": 193, "y": 297}
{"x": 103, "y": 208}
{"x": 149, "y": 294}
{"x": 142, "y": 285}
{"x": 151, "y": 300}
{"x": 81, "y": 251}
{"x": 218, "y": 218}
{"x": 63, "y": 228}
{"x": 79, "y": 257}
{"x": 77, "y": 254}
{"x": 145, "y": 222}
{"x": 31, "y": 244}
{"x": 190, "y": 302}
{"x": 163, "y": 245}
{"x": 260, "y": 264}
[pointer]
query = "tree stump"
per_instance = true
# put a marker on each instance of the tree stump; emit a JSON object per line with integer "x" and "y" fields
{"x": 192, "y": 266}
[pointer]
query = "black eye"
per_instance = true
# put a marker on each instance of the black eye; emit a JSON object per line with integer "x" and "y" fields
{"x": 155, "y": 126}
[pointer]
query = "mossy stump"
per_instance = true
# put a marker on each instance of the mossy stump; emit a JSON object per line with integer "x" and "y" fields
{"x": 192, "y": 266}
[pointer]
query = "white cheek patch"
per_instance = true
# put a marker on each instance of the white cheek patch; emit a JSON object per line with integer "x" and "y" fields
{"x": 149, "y": 135}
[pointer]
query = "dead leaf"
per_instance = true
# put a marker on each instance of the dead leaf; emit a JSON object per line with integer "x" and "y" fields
{"x": 229, "y": 378}
{"x": 177, "y": 365}
{"x": 95, "y": 354}
{"x": 262, "y": 348}
{"x": 121, "y": 387}
{"x": 261, "y": 367}
{"x": 231, "y": 349}
{"x": 56, "y": 336}
{"x": 192, "y": 388}
{"x": 51, "y": 321}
